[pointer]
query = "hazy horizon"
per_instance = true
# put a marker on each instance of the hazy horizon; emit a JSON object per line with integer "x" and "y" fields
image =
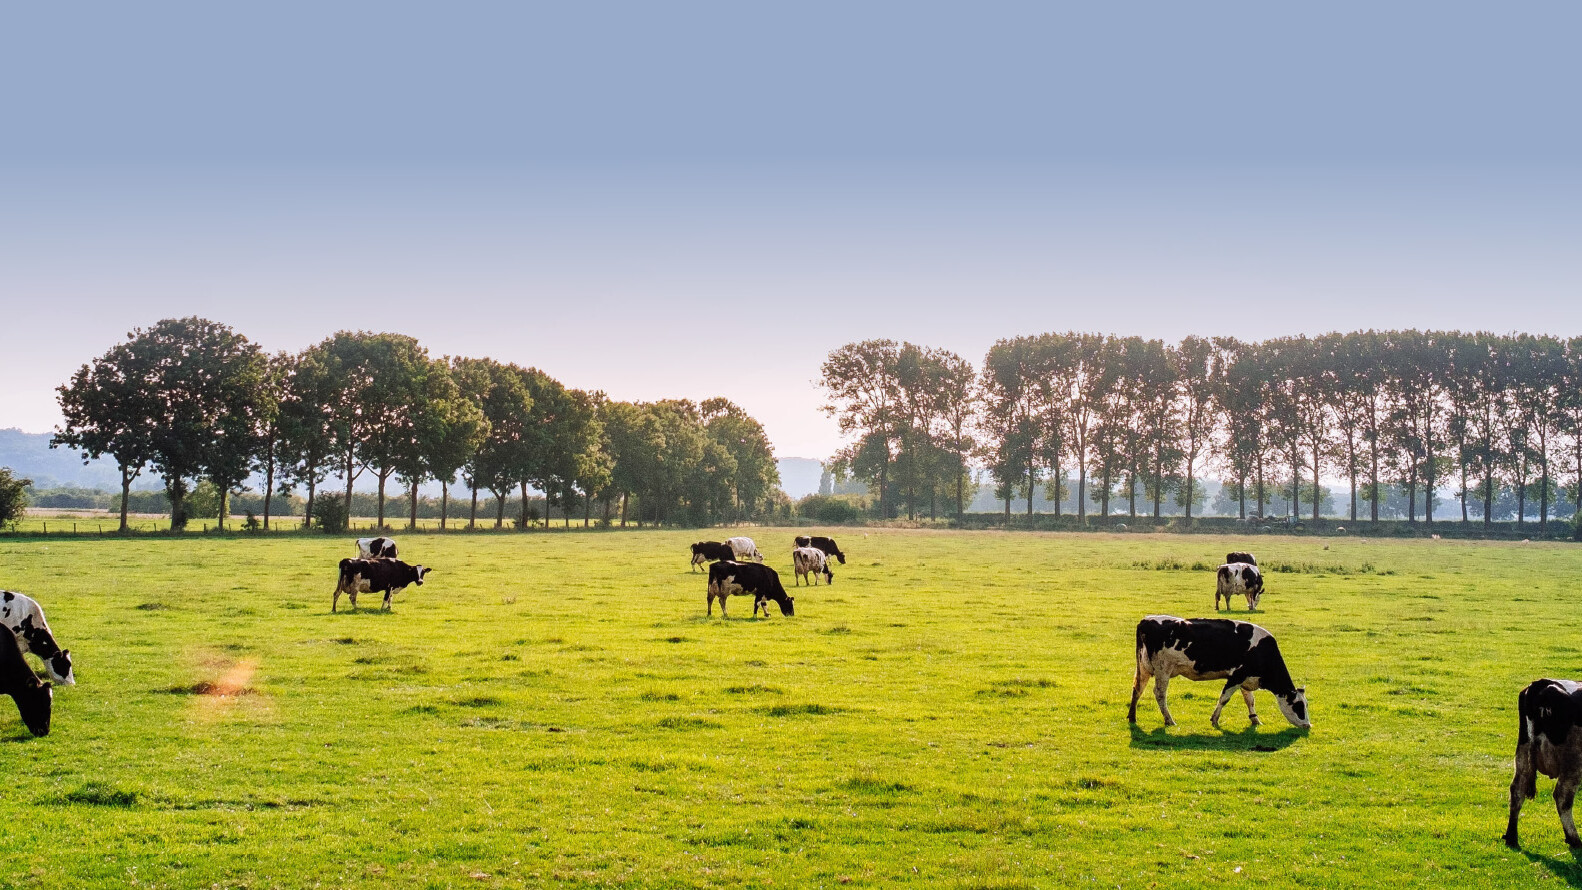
{"x": 707, "y": 201}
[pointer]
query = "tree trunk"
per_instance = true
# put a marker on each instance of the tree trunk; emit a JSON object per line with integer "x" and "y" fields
{"x": 1060, "y": 483}
{"x": 225, "y": 503}
{"x": 1241, "y": 498}
{"x": 1032, "y": 484}
{"x": 126, "y": 495}
{"x": 307, "y": 517}
{"x": 1488, "y": 496}
{"x": 524, "y": 509}
{"x": 499, "y": 514}
{"x": 625, "y": 496}
{"x": 961, "y": 487}
{"x": 472, "y": 518}
{"x": 444, "y": 502}
{"x": 384, "y": 476}
{"x": 350, "y": 477}
{"x": 269, "y": 482}
{"x": 1082, "y": 493}
{"x": 176, "y": 490}
{"x": 412, "y": 520}
{"x": 1318, "y": 494}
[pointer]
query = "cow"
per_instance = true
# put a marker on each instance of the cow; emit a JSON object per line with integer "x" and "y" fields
{"x": 744, "y": 549}
{"x": 1241, "y": 653}
{"x": 376, "y": 548}
{"x": 1548, "y": 741}
{"x": 34, "y": 698}
{"x": 808, "y": 561}
{"x": 728, "y": 577}
{"x": 1240, "y": 556}
{"x": 389, "y": 576}
{"x": 25, "y": 617}
{"x": 825, "y": 544}
{"x": 1238, "y": 577}
{"x": 710, "y": 551}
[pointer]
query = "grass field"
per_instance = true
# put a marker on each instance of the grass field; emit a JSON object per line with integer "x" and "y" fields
{"x": 555, "y": 710}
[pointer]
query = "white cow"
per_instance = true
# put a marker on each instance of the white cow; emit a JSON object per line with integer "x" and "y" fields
{"x": 808, "y": 561}
{"x": 745, "y": 549}
{"x": 376, "y": 548}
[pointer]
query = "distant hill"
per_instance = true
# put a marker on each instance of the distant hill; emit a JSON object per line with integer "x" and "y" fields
{"x": 30, "y": 456}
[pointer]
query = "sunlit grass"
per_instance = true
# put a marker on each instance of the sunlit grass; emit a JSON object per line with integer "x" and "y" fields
{"x": 556, "y": 710}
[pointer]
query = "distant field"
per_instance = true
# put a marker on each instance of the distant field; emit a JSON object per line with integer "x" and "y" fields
{"x": 555, "y": 710}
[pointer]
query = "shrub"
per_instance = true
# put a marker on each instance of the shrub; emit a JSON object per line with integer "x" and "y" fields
{"x": 13, "y": 497}
{"x": 829, "y": 509}
{"x": 330, "y": 514}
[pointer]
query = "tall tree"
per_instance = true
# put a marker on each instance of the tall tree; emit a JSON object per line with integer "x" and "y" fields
{"x": 1199, "y": 376}
{"x": 109, "y": 409}
{"x": 860, "y": 383}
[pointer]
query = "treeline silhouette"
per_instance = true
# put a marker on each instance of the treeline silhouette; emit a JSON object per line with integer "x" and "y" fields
{"x": 192, "y": 400}
{"x": 1131, "y": 423}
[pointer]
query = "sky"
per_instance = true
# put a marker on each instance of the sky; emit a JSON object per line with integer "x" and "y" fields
{"x": 700, "y": 199}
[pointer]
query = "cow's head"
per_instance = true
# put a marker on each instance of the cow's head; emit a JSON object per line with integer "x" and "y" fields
{"x": 1294, "y": 706}
{"x": 787, "y": 604}
{"x": 421, "y": 571}
{"x": 34, "y": 705}
{"x": 59, "y": 667}
{"x": 840, "y": 556}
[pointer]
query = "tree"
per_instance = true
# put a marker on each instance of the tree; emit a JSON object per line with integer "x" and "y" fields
{"x": 502, "y": 394}
{"x": 108, "y": 409}
{"x": 756, "y": 475}
{"x": 863, "y": 391}
{"x": 205, "y": 390}
{"x": 307, "y": 443}
{"x": 13, "y": 497}
{"x": 1198, "y": 375}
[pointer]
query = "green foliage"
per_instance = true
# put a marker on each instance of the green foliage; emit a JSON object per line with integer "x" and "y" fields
{"x": 329, "y": 514}
{"x": 831, "y": 509}
{"x": 13, "y": 497}
{"x": 956, "y": 724}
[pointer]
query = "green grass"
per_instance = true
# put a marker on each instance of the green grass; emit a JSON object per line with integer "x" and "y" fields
{"x": 555, "y": 710}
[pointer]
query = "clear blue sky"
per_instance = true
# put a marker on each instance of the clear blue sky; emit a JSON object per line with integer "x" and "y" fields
{"x": 692, "y": 199}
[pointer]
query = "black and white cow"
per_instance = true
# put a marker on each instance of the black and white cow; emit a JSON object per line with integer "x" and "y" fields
{"x": 34, "y": 698}
{"x": 727, "y": 578}
{"x": 1238, "y": 577}
{"x": 811, "y": 561}
{"x": 825, "y": 544}
{"x": 1549, "y": 713}
{"x": 376, "y": 548}
{"x": 25, "y": 617}
{"x": 710, "y": 551}
{"x": 1240, "y": 556}
{"x": 745, "y": 549}
{"x": 387, "y": 576}
{"x": 1242, "y": 654}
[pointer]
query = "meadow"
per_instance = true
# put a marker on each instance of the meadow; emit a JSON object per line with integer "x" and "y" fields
{"x": 554, "y": 709}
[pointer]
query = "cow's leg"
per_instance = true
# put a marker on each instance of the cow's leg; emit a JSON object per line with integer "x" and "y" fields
{"x": 1524, "y": 785}
{"x": 1565, "y": 796}
{"x": 1252, "y": 713}
{"x": 352, "y": 595}
{"x": 336, "y": 599}
{"x": 1139, "y": 680}
{"x": 711, "y": 605}
{"x": 1224, "y": 696}
{"x": 1161, "y": 685}
{"x": 386, "y": 606}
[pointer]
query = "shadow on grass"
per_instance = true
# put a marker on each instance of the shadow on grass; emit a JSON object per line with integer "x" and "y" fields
{"x": 1566, "y": 868}
{"x": 1249, "y": 739}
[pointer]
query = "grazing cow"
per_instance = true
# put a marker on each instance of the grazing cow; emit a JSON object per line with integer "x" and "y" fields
{"x": 825, "y": 544}
{"x": 1238, "y": 577}
{"x": 33, "y": 698}
{"x": 811, "y": 561}
{"x": 389, "y": 576}
{"x": 1242, "y": 654}
{"x": 376, "y": 548}
{"x": 25, "y": 618}
{"x": 1240, "y": 556}
{"x": 710, "y": 551}
{"x": 1547, "y": 741}
{"x": 744, "y": 549}
{"x": 727, "y": 578}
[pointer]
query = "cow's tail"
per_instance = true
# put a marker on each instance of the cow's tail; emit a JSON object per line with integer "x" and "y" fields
{"x": 1526, "y": 711}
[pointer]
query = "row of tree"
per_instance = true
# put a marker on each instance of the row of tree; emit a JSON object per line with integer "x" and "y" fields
{"x": 191, "y": 399}
{"x": 1129, "y": 419}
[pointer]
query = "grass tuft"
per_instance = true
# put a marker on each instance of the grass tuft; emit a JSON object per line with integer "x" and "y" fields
{"x": 100, "y": 794}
